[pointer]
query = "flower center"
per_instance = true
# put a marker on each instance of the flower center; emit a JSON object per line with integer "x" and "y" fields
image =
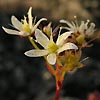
{"x": 26, "y": 27}
{"x": 52, "y": 47}
{"x": 80, "y": 39}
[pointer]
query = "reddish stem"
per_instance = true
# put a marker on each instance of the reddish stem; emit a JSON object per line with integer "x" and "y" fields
{"x": 50, "y": 68}
{"x": 58, "y": 88}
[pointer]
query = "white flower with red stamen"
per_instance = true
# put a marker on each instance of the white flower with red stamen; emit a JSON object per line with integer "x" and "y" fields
{"x": 83, "y": 28}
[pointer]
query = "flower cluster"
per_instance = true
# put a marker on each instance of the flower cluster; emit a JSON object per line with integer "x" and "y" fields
{"x": 61, "y": 47}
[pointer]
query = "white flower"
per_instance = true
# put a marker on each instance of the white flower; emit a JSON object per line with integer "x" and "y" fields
{"x": 23, "y": 28}
{"x": 51, "y": 49}
{"x": 83, "y": 28}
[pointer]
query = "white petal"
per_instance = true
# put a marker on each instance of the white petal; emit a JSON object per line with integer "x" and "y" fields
{"x": 90, "y": 30}
{"x": 82, "y": 26}
{"x": 16, "y": 23}
{"x": 41, "y": 38}
{"x": 63, "y": 21}
{"x": 10, "y": 31}
{"x": 36, "y": 53}
{"x": 22, "y": 33}
{"x": 51, "y": 58}
{"x": 37, "y": 24}
{"x": 62, "y": 38}
{"x": 66, "y": 22}
{"x": 74, "y": 26}
{"x": 67, "y": 46}
{"x": 67, "y": 28}
{"x": 30, "y": 18}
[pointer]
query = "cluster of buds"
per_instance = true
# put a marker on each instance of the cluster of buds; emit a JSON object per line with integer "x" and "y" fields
{"x": 61, "y": 49}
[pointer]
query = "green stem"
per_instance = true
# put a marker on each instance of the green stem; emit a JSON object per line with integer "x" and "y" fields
{"x": 32, "y": 42}
{"x": 50, "y": 67}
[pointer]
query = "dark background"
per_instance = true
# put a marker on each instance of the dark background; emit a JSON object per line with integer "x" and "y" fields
{"x": 24, "y": 78}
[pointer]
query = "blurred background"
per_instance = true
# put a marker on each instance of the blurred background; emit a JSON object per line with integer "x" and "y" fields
{"x": 24, "y": 78}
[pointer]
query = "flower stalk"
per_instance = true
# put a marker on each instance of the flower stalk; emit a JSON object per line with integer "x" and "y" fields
{"x": 50, "y": 68}
{"x": 58, "y": 89}
{"x": 32, "y": 42}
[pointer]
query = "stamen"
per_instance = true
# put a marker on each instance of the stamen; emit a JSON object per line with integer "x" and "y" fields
{"x": 88, "y": 20}
{"x": 75, "y": 17}
{"x": 84, "y": 59}
{"x": 34, "y": 20}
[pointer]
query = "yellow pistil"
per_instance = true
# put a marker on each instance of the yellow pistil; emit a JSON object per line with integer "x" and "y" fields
{"x": 52, "y": 47}
{"x": 80, "y": 39}
{"x": 26, "y": 27}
